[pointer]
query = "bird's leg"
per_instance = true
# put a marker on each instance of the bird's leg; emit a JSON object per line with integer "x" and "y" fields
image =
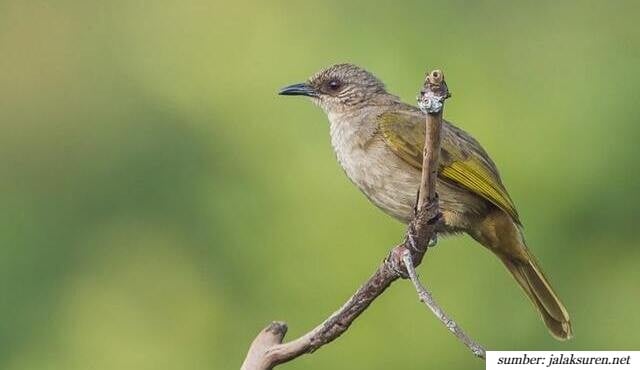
{"x": 437, "y": 218}
{"x": 412, "y": 240}
{"x": 434, "y": 239}
{"x": 396, "y": 262}
{"x": 432, "y": 242}
{"x": 416, "y": 205}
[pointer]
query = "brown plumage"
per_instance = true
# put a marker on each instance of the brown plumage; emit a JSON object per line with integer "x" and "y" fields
{"x": 378, "y": 140}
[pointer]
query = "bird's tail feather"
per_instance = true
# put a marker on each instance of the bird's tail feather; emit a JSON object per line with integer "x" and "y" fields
{"x": 500, "y": 234}
{"x": 532, "y": 280}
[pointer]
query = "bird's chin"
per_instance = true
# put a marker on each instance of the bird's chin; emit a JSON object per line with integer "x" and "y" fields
{"x": 329, "y": 107}
{"x": 319, "y": 102}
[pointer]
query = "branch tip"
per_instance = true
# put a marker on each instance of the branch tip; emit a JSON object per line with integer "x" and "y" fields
{"x": 277, "y": 328}
{"x": 435, "y": 77}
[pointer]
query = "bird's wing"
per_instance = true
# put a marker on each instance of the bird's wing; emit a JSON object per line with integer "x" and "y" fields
{"x": 462, "y": 159}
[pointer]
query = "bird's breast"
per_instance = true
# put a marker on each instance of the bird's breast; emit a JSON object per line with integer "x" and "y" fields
{"x": 389, "y": 183}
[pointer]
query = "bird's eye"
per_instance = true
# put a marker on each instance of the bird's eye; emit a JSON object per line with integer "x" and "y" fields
{"x": 334, "y": 85}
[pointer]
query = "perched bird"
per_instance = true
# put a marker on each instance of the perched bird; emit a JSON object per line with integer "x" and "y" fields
{"x": 379, "y": 140}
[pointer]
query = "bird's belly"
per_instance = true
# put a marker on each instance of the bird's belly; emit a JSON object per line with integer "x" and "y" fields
{"x": 392, "y": 185}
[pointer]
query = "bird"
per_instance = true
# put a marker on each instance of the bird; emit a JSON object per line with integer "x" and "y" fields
{"x": 378, "y": 140}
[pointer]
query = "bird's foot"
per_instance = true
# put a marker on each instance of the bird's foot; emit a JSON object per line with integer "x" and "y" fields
{"x": 396, "y": 261}
{"x": 412, "y": 241}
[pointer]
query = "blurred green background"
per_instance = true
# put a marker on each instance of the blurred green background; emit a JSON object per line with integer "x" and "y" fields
{"x": 161, "y": 204}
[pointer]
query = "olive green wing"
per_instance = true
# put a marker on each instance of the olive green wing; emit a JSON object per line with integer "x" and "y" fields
{"x": 462, "y": 159}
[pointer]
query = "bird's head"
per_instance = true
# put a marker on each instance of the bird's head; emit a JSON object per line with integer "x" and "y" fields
{"x": 340, "y": 87}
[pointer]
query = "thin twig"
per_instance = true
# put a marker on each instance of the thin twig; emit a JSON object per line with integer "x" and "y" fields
{"x": 427, "y": 298}
{"x": 431, "y": 102}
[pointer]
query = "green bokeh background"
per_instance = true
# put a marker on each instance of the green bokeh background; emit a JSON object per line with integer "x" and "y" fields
{"x": 161, "y": 203}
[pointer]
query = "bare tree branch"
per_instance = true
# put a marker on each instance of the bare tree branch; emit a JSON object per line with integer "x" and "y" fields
{"x": 427, "y": 298}
{"x": 267, "y": 349}
{"x": 431, "y": 102}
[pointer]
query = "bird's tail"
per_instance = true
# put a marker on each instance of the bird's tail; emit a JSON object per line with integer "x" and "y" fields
{"x": 532, "y": 280}
{"x": 504, "y": 237}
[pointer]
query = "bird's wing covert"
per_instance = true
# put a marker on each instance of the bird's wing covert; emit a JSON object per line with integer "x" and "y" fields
{"x": 462, "y": 159}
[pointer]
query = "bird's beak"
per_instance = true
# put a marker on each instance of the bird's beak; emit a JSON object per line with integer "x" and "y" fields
{"x": 298, "y": 89}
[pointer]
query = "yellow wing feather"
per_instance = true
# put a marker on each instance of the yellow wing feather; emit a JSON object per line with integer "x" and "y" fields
{"x": 480, "y": 182}
{"x": 463, "y": 160}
